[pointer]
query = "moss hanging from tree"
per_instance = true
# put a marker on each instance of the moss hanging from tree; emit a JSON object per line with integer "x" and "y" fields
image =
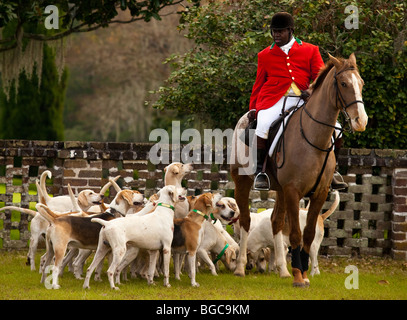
{"x": 36, "y": 112}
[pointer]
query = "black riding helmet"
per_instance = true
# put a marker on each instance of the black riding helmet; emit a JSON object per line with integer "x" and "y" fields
{"x": 282, "y": 20}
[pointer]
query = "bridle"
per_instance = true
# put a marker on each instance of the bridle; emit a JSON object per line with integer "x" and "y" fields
{"x": 339, "y": 97}
{"x": 344, "y": 106}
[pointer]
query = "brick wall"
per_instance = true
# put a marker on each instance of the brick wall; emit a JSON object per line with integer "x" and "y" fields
{"x": 371, "y": 218}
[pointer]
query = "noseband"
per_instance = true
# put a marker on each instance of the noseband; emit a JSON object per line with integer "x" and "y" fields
{"x": 344, "y": 106}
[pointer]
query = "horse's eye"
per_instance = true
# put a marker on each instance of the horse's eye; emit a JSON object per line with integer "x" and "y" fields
{"x": 343, "y": 84}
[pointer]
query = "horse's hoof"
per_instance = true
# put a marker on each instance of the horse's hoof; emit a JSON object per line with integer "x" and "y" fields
{"x": 298, "y": 279}
{"x": 299, "y": 284}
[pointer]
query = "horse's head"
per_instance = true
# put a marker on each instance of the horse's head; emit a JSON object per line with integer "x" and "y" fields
{"x": 349, "y": 91}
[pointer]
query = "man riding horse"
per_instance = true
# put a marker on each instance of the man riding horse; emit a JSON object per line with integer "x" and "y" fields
{"x": 284, "y": 72}
{"x": 303, "y": 164}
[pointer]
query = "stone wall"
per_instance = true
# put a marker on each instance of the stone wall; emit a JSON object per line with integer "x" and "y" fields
{"x": 371, "y": 218}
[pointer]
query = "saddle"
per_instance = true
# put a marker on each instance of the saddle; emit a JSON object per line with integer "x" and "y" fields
{"x": 274, "y": 127}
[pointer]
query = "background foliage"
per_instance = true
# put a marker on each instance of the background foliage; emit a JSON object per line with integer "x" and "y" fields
{"x": 213, "y": 81}
{"x": 36, "y": 112}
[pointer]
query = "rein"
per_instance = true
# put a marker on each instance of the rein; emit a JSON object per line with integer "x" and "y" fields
{"x": 343, "y": 108}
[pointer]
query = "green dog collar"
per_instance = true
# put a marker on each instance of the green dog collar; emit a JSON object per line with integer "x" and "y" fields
{"x": 201, "y": 213}
{"x": 219, "y": 256}
{"x": 166, "y": 206}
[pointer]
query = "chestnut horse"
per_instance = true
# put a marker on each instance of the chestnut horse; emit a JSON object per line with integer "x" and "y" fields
{"x": 308, "y": 165}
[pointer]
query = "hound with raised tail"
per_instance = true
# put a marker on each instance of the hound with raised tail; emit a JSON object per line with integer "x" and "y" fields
{"x": 79, "y": 232}
{"x": 125, "y": 237}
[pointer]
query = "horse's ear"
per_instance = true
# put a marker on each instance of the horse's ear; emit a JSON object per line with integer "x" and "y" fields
{"x": 352, "y": 59}
{"x": 335, "y": 61}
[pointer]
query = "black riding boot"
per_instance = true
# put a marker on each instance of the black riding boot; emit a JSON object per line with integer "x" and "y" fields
{"x": 261, "y": 180}
{"x": 336, "y": 184}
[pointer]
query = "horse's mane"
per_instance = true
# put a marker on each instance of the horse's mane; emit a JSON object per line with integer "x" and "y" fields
{"x": 325, "y": 70}
{"x": 322, "y": 75}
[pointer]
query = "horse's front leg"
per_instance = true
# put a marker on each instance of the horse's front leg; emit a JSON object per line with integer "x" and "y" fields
{"x": 277, "y": 222}
{"x": 292, "y": 199}
{"x": 243, "y": 184}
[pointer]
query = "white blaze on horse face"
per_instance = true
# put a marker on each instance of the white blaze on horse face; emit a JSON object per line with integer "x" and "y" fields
{"x": 360, "y": 121}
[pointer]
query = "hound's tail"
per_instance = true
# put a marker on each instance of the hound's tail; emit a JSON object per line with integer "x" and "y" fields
{"x": 100, "y": 221}
{"x": 333, "y": 206}
{"x": 22, "y": 210}
{"x": 43, "y": 194}
{"x": 110, "y": 183}
{"x": 46, "y": 212}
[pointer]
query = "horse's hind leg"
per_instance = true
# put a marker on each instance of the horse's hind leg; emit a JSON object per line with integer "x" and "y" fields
{"x": 243, "y": 184}
{"x": 309, "y": 231}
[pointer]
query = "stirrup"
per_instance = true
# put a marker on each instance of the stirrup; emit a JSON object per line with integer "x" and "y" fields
{"x": 345, "y": 185}
{"x": 262, "y": 188}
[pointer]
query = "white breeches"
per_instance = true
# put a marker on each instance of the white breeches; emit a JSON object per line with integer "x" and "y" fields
{"x": 267, "y": 116}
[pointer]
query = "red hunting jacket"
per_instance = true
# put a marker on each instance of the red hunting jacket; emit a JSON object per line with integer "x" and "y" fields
{"x": 276, "y": 71}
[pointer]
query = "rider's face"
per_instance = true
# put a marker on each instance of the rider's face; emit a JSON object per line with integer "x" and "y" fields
{"x": 281, "y": 36}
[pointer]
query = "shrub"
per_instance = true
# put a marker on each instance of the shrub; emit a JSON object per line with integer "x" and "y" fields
{"x": 213, "y": 81}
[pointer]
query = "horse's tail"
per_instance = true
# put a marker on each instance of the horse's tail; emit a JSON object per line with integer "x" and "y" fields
{"x": 333, "y": 206}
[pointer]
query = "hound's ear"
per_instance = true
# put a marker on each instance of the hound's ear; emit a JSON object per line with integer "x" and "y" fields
{"x": 228, "y": 255}
{"x": 128, "y": 197}
{"x": 165, "y": 169}
{"x": 173, "y": 195}
{"x": 175, "y": 170}
{"x": 82, "y": 201}
{"x": 233, "y": 206}
{"x": 335, "y": 61}
{"x": 267, "y": 253}
{"x": 209, "y": 200}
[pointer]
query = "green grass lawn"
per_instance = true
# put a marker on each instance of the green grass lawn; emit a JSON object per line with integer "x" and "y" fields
{"x": 379, "y": 278}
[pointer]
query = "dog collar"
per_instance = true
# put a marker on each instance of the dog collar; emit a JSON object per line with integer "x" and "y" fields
{"x": 219, "y": 256}
{"x": 213, "y": 219}
{"x": 201, "y": 213}
{"x": 234, "y": 220}
{"x": 166, "y": 206}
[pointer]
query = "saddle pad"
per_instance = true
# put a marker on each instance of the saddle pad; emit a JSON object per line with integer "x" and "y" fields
{"x": 278, "y": 134}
